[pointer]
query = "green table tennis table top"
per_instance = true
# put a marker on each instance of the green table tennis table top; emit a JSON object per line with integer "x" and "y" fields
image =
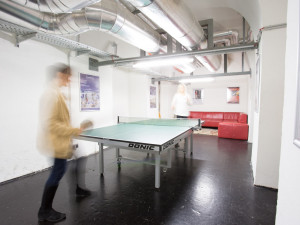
{"x": 151, "y": 131}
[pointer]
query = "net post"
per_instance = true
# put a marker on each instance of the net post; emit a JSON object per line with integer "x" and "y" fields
{"x": 118, "y": 119}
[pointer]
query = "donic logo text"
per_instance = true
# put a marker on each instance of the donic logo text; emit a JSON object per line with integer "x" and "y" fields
{"x": 168, "y": 144}
{"x": 140, "y": 146}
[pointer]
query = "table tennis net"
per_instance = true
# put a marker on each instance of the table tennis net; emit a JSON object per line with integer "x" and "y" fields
{"x": 160, "y": 122}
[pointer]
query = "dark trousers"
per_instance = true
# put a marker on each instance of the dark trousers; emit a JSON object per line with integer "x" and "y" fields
{"x": 76, "y": 176}
{"x": 58, "y": 171}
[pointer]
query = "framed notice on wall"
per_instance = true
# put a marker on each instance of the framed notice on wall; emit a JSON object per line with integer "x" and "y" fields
{"x": 89, "y": 92}
{"x": 198, "y": 95}
{"x": 152, "y": 97}
{"x": 233, "y": 95}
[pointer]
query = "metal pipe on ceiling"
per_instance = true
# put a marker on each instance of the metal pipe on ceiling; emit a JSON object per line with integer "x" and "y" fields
{"x": 203, "y": 52}
{"x": 272, "y": 27}
{"x": 108, "y": 16}
{"x": 176, "y": 19}
{"x": 201, "y": 76}
{"x": 225, "y": 42}
{"x": 233, "y": 36}
{"x": 56, "y": 6}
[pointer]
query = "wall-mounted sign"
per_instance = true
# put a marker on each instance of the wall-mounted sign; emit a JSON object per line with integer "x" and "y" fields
{"x": 89, "y": 92}
{"x": 152, "y": 97}
{"x": 233, "y": 95}
{"x": 198, "y": 95}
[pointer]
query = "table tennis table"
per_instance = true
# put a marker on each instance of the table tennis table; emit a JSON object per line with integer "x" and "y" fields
{"x": 144, "y": 135}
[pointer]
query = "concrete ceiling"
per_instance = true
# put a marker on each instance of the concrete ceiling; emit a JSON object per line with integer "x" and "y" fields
{"x": 227, "y": 14}
{"x": 224, "y": 18}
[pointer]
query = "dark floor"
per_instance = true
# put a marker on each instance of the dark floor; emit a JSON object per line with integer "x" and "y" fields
{"x": 213, "y": 187}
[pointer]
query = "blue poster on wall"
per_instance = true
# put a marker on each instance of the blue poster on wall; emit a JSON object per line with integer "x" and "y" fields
{"x": 89, "y": 92}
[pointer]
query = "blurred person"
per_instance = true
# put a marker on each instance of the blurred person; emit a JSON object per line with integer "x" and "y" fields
{"x": 54, "y": 137}
{"x": 180, "y": 103}
{"x": 78, "y": 167}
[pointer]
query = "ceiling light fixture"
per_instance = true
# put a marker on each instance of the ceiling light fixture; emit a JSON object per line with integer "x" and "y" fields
{"x": 206, "y": 63}
{"x": 186, "y": 68}
{"x": 196, "y": 80}
{"x": 163, "y": 62}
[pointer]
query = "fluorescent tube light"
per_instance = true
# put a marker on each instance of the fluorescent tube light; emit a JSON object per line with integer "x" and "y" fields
{"x": 163, "y": 62}
{"x": 195, "y": 80}
{"x": 206, "y": 63}
{"x": 186, "y": 68}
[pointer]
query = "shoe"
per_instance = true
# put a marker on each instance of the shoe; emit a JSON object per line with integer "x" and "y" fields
{"x": 51, "y": 216}
{"x": 80, "y": 192}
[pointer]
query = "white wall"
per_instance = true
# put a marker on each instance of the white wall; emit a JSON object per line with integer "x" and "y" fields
{"x": 22, "y": 75}
{"x": 266, "y": 152}
{"x": 105, "y": 116}
{"x": 139, "y": 96}
{"x": 288, "y": 205}
{"x": 265, "y": 132}
{"x": 215, "y": 95}
{"x": 252, "y": 92}
{"x": 130, "y": 90}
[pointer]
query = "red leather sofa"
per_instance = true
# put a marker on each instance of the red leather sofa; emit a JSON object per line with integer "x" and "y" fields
{"x": 230, "y": 124}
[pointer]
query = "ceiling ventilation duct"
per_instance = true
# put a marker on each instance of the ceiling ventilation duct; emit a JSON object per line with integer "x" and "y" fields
{"x": 222, "y": 42}
{"x": 106, "y": 16}
{"x": 56, "y": 6}
{"x": 176, "y": 19}
{"x": 232, "y": 36}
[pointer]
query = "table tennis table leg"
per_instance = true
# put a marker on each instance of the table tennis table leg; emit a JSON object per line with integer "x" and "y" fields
{"x": 169, "y": 162}
{"x": 101, "y": 160}
{"x": 157, "y": 170}
{"x": 118, "y": 156}
{"x": 186, "y": 148}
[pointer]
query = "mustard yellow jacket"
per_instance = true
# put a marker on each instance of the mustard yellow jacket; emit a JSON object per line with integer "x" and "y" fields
{"x": 55, "y": 132}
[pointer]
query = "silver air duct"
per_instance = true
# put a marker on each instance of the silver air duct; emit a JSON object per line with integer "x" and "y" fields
{"x": 232, "y": 36}
{"x": 174, "y": 17}
{"x": 222, "y": 42}
{"x": 106, "y": 16}
{"x": 56, "y": 6}
{"x": 177, "y": 20}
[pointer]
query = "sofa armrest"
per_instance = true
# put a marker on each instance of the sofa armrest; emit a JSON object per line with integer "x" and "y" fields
{"x": 243, "y": 118}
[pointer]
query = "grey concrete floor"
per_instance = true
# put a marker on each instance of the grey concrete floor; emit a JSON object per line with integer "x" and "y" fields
{"x": 212, "y": 187}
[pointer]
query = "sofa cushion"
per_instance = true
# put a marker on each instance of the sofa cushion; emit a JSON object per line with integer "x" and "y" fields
{"x": 194, "y": 114}
{"x": 212, "y": 119}
{"x": 212, "y": 115}
{"x": 231, "y": 116}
